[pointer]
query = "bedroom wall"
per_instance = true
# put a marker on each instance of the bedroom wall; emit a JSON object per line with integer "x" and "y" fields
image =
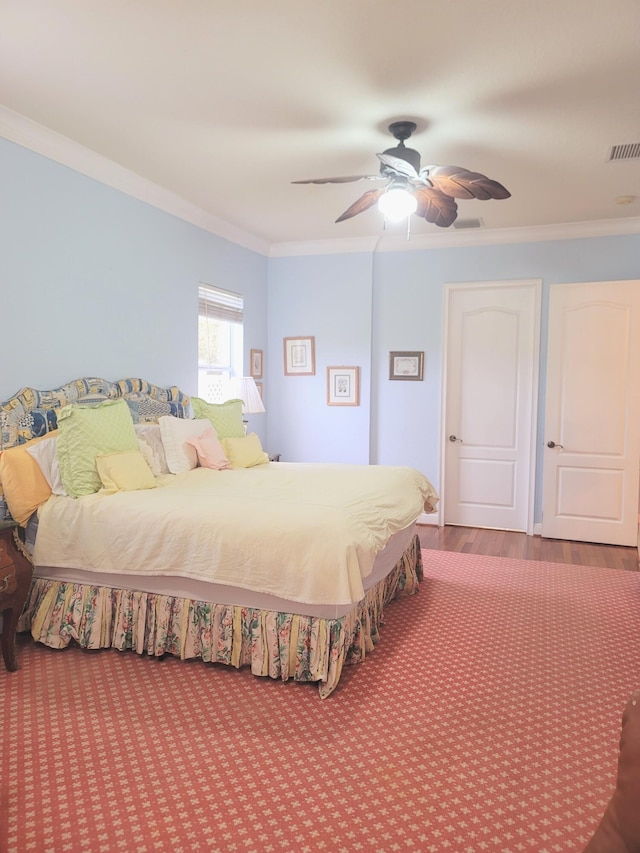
{"x": 404, "y": 291}
{"x": 97, "y": 283}
{"x": 330, "y": 298}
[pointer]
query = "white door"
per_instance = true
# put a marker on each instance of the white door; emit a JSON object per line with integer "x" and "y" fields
{"x": 491, "y": 386}
{"x": 590, "y": 486}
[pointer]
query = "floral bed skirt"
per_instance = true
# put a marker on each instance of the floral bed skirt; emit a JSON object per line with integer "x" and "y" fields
{"x": 278, "y": 645}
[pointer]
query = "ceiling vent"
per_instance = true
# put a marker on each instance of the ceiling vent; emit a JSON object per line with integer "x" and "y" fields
{"x": 467, "y": 223}
{"x": 631, "y": 151}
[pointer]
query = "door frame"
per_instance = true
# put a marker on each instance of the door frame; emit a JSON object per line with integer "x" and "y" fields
{"x": 536, "y": 283}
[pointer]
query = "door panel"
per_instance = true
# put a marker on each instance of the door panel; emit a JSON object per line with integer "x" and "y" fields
{"x": 590, "y": 493}
{"x": 486, "y": 481}
{"x": 590, "y": 487}
{"x": 491, "y": 386}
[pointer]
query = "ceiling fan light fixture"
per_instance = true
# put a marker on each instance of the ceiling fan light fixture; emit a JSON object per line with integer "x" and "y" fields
{"x": 397, "y": 204}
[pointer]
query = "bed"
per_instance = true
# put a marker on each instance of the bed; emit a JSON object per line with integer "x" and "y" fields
{"x": 155, "y": 524}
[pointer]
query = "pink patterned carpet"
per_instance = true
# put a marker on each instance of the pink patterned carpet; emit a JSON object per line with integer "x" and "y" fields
{"x": 487, "y": 719}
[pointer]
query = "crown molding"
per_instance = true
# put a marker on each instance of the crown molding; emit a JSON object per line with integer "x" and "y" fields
{"x": 456, "y": 239}
{"x": 29, "y": 134}
{"x": 340, "y": 246}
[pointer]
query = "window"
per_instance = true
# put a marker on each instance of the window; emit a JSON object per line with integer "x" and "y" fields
{"x": 219, "y": 341}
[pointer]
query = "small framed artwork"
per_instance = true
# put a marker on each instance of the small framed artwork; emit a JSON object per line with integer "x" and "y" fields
{"x": 343, "y": 386}
{"x": 406, "y": 365}
{"x": 299, "y": 357}
{"x": 259, "y": 387}
{"x": 256, "y": 363}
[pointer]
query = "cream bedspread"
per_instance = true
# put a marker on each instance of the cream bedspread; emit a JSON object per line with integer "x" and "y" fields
{"x": 306, "y": 532}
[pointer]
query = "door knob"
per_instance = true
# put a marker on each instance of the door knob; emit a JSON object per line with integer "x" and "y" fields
{"x": 453, "y": 438}
{"x": 552, "y": 444}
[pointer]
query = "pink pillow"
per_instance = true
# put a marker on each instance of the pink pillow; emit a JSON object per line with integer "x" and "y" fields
{"x": 209, "y": 450}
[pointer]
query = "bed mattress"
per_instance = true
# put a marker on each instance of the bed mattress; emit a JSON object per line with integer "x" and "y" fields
{"x": 300, "y": 531}
{"x": 197, "y": 590}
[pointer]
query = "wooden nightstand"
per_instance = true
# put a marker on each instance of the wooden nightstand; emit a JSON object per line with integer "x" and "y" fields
{"x": 15, "y": 580}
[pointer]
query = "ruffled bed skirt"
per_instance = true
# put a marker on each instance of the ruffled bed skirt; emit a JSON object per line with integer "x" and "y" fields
{"x": 278, "y": 645}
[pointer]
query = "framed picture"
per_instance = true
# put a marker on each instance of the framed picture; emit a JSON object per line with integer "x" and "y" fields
{"x": 299, "y": 357}
{"x": 256, "y": 363}
{"x": 343, "y": 386}
{"x": 259, "y": 387}
{"x": 406, "y": 365}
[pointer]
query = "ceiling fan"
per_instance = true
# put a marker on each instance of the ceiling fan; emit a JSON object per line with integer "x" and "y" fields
{"x": 429, "y": 192}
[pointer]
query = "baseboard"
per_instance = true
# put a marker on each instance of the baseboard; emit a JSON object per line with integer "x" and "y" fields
{"x": 432, "y": 521}
{"x": 426, "y": 518}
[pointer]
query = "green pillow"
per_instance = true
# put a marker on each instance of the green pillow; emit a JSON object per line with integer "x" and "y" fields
{"x": 226, "y": 418}
{"x": 86, "y": 432}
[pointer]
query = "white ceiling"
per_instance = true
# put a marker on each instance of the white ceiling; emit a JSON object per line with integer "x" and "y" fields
{"x": 224, "y": 104}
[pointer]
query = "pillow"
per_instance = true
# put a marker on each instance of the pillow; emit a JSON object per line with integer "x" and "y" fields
{"x": 146, "y": 451}
{"x": 151, "y": 435}
{"x": 146, "y": 409}
{"x": 45, "y": 453}
{"x": 226, "y": 418}
{"x": 181, "y": 456}
{"x": 244, "y": 452}
{"x": 209, "y": 450}
{"x": 124, "y": 472}
{"x": 84, "y": 432}
{"x": 24, "y": 485}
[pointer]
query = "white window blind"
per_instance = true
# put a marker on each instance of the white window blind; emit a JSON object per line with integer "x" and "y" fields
{"x": 220, "y": 336}
{"x": 220, "y": 304}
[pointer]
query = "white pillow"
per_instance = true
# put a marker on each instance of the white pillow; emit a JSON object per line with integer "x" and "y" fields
{"x": 46, "y": 455}
{"x": 181, "y": 456}
{"x": 151, "y": 436}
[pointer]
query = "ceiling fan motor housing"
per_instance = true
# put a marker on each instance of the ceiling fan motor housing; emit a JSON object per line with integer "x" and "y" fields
{"x": 408, "y": 154}
{"x": 402, "y": 130}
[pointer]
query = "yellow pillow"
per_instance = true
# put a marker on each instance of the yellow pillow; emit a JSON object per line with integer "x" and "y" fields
{"x": 124, "y": 472}
{"x": 23, "y": 483}
{"x": 244, "y": 452}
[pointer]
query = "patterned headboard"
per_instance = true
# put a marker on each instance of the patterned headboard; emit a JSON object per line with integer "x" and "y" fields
{"x": 31, "y": 413}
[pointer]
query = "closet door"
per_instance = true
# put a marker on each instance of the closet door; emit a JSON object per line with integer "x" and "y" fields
{"x": 592, "y": 415}
{"x": 491, "y": 387}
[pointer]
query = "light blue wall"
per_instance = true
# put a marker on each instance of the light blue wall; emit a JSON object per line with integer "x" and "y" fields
{"x": 96, "y": 283}
{"x": 327, "y": 297}
{"x": 405, "y": 297}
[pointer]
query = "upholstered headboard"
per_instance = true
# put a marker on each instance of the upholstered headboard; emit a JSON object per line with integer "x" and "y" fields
{"x": 31, "y": 413}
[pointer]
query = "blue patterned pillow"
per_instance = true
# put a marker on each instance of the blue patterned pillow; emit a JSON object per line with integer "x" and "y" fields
{"x": 147, "y": 410}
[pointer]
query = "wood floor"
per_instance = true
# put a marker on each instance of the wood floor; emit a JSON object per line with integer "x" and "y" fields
{"x": 502, "y": 543}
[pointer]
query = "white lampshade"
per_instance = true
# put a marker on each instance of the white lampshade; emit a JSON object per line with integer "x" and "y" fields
{"x": 244, "y": 388}
{"x": 397, "y": 204}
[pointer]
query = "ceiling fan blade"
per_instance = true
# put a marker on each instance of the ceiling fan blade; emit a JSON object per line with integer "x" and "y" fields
{"x": 457, "y": 182}
{"x": 363, "y": 203}
{"x": 397, "y": 164}
{"x": 345, "y": 180}
{"x": 435, "y": 207}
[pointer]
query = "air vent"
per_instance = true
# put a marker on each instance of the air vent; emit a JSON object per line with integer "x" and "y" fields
{"x": 467, "y": 223}
{"x": 631, "y": 151}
